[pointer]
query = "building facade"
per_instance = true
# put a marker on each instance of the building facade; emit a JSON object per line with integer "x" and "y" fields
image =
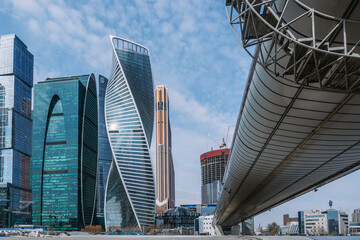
{"x": 356, "y": 216}
{"x": 104, "y": 151}
{"x": 16, "y": 82}
{"x": 203, "y": 225}
{"x": 317, "y": 222}
{"x": 64, "y": 159}
{"x": 164, "y": 167}
{"x": 178, "y": 217}
{"x": 213, "y": 166}
{"x": 287, "y": 219}
{"x": 129, "y": 117}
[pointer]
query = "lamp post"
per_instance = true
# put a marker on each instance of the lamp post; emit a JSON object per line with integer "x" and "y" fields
{"x": 51, "y": 216}
{"x": 4, "y": 209}
{"x": 10, "y": 211}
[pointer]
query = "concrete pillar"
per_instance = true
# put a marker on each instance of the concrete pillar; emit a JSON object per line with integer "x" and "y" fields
{"x": 235, "y": 230}
{"x": 247, "y": 227}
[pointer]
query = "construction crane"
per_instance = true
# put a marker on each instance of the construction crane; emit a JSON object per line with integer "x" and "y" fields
{"x": 224, "y": 141}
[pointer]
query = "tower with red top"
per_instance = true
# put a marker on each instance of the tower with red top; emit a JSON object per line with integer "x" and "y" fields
{"x": 213, "y": 166}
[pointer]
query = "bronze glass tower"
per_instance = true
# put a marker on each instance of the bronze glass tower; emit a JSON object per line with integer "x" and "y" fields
{"x": 165, "y": 175}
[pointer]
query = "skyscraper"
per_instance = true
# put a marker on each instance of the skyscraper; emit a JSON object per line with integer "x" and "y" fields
{"x": 213, "y": 166}
{"x": 129, "y": 116}
{"x": 165, "y": 175}
{"x": 16, "y": 81}
{"x": 64, "y": 159}
{"x": 105, "y": 155}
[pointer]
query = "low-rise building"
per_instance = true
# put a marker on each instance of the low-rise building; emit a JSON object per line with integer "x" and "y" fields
{"x": 204, "y": 226}
{"x": 202, "y": 209}
{"x": 354, "y": 229}
{"x": 287, "y": 219}
{"x": 177, "y": 217}
{"x": 317, "y": 222}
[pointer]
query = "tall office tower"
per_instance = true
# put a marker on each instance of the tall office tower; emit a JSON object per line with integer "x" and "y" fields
{"x": 16, "y": 81}
{"x": 129, "y": 116}
{"x": 164, "y": 167}
{"x": 105, "y": 155}
{"x": 213, "y": 166}
{"x": 64, "y": 156}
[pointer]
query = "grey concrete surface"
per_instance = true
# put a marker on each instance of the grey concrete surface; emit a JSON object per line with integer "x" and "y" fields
{"x": 168, "y": 237}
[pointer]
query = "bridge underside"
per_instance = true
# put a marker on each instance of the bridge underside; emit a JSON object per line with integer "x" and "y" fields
{"x": 290, "y": 139}
{"x": 299, "y": 125}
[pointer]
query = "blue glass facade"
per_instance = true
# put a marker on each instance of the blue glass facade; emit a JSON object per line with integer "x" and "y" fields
{"x": 333, "y": 222}
{"x": 301, "y": 222}
{"x": 105, "y": 155}
{"x": 129, "y": 116}
{"x": 64, "y": 159}
{"x": 16, "y": 81}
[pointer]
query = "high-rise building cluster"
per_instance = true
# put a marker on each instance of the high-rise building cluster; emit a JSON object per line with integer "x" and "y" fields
{"x": 86, "y": 141}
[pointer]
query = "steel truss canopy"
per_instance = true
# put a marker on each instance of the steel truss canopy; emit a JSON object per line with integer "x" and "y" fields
{"x": 320, "y": 47}
{"x": 299, "y": 123}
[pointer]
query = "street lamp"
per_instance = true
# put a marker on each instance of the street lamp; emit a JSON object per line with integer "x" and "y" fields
{"x": 20, "y": 211}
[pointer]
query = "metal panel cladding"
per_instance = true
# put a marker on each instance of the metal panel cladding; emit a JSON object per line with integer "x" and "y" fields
{"x": 298, "y": 127}
{"x": 129, "y": 116}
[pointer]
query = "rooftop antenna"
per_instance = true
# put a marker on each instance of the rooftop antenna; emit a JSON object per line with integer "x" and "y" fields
{"x": 330, "y": 204}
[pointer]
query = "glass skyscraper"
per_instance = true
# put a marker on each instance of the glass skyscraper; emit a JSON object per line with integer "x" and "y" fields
{"x": 16, "y": 81}
{"x": 65, "y": 145}
{"x": 129, "y": 116}
{"x": 105, "y": 155}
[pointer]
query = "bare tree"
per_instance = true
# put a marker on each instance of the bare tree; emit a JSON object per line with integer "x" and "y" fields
{"x": 273, "y": 229}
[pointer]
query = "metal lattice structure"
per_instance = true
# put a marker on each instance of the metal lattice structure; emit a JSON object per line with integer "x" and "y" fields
{"x": 326, "y": 59}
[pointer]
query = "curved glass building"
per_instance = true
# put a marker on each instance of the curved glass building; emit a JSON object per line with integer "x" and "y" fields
{"x": 104, "y": 151}
{"x": 64, "y": 157}
{"x": 129, "y": 116}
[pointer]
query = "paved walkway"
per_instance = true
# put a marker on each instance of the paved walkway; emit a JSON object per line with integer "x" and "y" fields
{"x": 168, "y": 237}
{"x": 171, "y": 237}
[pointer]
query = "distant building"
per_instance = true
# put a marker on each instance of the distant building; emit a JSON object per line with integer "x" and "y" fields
{"x": 164, "y": 166}
{"x": 354, "y": 229}
{"x": 177, "y": 217}
{"x": 213, "y": 165}
{"x": 203, "y": 225}
{"x": 64, "y": 159}
{"x": 104, "y": 151}
{"x": 356, "y": 216}
{"x": 292, "y": 228}
{"x": 202, "y": 209}
{"x": 289, "y": 219}
{"x": 16, "y": 82}
{"x": 317, "y": 222}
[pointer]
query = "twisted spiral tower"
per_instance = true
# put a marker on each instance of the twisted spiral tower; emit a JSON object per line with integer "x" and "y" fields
{"x": 129, "y": 116}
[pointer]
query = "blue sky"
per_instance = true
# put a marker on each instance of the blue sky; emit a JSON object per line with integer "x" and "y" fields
{"x": 194, "y": 54}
